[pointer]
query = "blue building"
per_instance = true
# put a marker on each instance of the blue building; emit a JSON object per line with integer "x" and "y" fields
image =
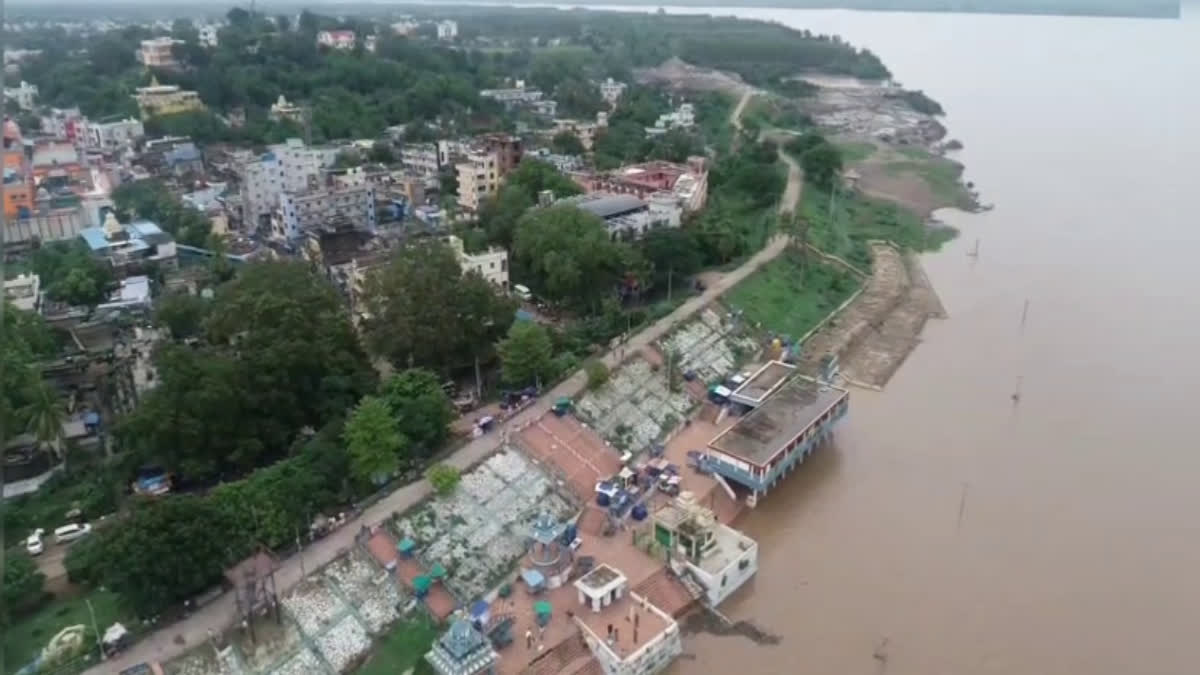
{"x": 130, "y": 246}
{"x": 789, "y": 416}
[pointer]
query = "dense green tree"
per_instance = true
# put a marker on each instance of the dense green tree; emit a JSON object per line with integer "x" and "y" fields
{"x": 421, "y": 408}
{"x": 567, "y": 143}
{"x": 24, "y": 588}
{"x": 153, "y": 201}
{"x": 822, "y": 165}
{"x": 671, "y": 251}
{"x": 182, "y": 314}
{"x": 374, "y": 441}
{"x": 165, "y": 551}
{"x": 70, "y": 274}
{"x": 423, "y": 311}
{"x": 498, "y": 215}
{"x": 293, "y": 335}
{"x": 526, "y": 354}
{"x": 44, "y": 414}
{"x": 278, "y": 354}
{"x": 578, "y": 98}
{"x": 567, "y": 256}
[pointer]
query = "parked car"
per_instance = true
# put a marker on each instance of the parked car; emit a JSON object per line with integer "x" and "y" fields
{"x": 33, "y": 544}
{"x": 69, "y": 533}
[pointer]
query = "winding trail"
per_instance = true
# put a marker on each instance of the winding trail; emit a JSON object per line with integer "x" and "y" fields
{"x": 170, "y": 641}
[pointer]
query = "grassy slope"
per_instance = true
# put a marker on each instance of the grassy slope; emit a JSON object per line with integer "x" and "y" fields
{"x": 28, "y": 636}
{"x": 857, "y": 219}
{"x": 942, "y": 175}
{"x": 403, "y": 648}
{"x": 783, "y": 297}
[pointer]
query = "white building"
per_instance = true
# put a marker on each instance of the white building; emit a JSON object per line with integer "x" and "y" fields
{"x": 157, "y": 52}
{"x": 447, "y": 30}
{"x": 336, "y": 39}
{"x": 208, "y": 35}
{"x": 423, "y": 159}
{"x": 682, "y": 118}
{"x": 302, "y": 211}
{"x": 611, "y": 90}
{"x": 130, "y": 246}
{"x": 24, "y": 292}
{"x": 491, "y": 264}
{"x": 282, "y": 109}
{"x": 370, "y": 42}
{"x": 287, "y": 167}
{"x": 717, "y": 556}
{"x": 25, "y": 96}
{"x": 113, "y": 135}
{"x": 405, "y": 27}
{"x": 626, "y": 633}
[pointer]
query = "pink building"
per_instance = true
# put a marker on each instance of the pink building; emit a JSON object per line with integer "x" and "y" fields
{"x": 687, "y": 182}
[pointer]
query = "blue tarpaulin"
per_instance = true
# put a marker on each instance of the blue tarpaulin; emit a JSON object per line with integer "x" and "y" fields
{"x": 533, "y": 579}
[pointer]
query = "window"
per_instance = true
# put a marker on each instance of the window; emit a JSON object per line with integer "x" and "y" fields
{"x": 723, "y": 580}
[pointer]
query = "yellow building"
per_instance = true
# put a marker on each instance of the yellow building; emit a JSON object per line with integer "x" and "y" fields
{"x": 166, "y": 99}
{"x": 478, "y": 178}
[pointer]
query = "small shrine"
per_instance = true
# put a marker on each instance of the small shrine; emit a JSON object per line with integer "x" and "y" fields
{"x": 462, "y": 650}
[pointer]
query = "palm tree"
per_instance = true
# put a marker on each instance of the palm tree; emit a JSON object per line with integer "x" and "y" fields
{"x": 44, "y": 415}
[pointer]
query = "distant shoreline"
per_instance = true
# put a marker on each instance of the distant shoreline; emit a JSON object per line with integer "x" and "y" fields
{"x": 1165, "y": 9}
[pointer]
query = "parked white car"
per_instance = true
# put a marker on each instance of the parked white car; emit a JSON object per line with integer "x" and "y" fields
{"x": 33, "y": 544}
{"x": 69, "y": 533}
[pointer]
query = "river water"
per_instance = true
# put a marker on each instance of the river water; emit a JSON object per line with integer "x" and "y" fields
{"x": 950, "y": 532}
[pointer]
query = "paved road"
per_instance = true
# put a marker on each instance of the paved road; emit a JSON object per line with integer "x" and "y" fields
{"x": 173, "y": 640}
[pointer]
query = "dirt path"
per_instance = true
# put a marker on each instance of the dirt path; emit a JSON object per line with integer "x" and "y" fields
{"x": 735, "y": 117}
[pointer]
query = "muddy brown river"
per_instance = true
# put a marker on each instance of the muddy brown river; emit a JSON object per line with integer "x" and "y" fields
{"x": 951, "y": 532}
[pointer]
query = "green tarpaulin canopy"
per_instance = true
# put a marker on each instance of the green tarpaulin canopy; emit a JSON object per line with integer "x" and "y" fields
{"x": 406, "y": 545}
{"x": 422, "y": 584}
{"x": 438, "y": 572}
{"x": 542, "y": 607}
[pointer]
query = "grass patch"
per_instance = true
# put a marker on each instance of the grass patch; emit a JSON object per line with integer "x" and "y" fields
{"x": 403, "y": 648}
{"x": 789, "y": 297}
{"x": 942, "y": 175}
{"x": 856, "y": 151}
{"x": 856, "y": 219}
{"x": 27, "y": 637}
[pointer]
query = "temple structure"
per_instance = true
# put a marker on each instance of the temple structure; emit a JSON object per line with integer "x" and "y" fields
{"x": 462, "y": 650}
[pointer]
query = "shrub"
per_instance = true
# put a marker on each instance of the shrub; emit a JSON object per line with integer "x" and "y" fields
{"x": 444, "y": 478}
{"x": 597, "y": 373}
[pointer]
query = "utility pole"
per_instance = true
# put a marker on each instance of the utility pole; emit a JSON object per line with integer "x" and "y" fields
{"x": 96, "y": 629}
{"x": 300, "y": 553}
{"x": 669, "y": 271}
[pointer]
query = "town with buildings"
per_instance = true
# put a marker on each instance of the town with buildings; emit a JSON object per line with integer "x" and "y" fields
{"x": 213, "y": 284}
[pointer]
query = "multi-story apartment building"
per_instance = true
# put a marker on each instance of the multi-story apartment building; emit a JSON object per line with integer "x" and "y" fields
{"x": 157, "y": 53}
{"x": 109, "y": 136}
{"x": 423, "y": 159}
{"x": 302, "y": 211}
{"x": 478, "y": 178}
{"x": 286, "y": 167}
{"x": 208, "y": 35}
{"x": 447, "y": 30}
{"x": 166, "y": 99}
{"x": 508, "y": 151}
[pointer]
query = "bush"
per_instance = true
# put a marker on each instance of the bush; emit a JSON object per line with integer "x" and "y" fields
{"x": 444, "y": 478}
{"x": 597, "y": 373}
{"x": 24, "y": 589}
